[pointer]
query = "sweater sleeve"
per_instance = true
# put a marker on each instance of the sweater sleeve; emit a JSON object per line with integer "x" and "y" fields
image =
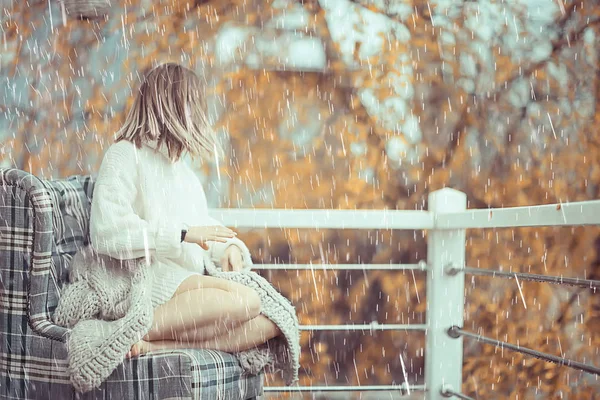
{"x": 217, "y": 249}
{"x": 116, "y": 229}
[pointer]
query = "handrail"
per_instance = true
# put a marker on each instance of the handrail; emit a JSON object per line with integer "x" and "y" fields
{"x": 455, "y": 332}
{"x": 562, "y": 214}
{"x": 323, "y": 219}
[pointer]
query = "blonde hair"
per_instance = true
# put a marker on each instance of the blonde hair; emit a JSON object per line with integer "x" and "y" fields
{"x": 169, "y": 108}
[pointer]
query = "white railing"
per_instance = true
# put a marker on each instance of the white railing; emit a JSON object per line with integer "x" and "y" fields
{"x": 446, "y": 222}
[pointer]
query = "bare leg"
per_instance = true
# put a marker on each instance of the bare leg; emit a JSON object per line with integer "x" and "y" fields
{"x": 204, "y": 301}
{"x": 246, "y": 336}
{"x": 201, "y": 333}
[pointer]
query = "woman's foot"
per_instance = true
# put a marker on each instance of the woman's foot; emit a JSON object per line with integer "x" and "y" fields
{"x": 138, "y": 349}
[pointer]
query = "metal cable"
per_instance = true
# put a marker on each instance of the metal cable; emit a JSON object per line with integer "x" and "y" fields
{"x": 367, "y": 388}
{"x": 420, "y": 266}
{"x": 373, "y": 326}
{"x": 585, "y": 283}
{"x": 452, "y": 393}
{"x": 456, "y": 332}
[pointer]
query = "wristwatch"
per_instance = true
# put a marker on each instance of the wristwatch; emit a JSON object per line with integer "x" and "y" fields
{"x": 184, "y": 231}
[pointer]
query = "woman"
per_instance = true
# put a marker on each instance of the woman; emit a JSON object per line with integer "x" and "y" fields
{"x": 148, "y": 202}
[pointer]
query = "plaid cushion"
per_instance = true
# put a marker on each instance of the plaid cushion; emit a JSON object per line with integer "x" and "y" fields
{"x": 42, "y": 224}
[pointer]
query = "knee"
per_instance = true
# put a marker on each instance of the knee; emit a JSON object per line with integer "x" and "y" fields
{"x": 253, "y": 303}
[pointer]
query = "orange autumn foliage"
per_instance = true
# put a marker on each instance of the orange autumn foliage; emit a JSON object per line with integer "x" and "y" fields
{"x": 305, "y": 140}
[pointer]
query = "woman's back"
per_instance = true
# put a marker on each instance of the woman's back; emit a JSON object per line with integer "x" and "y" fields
{"x": 141, "y": 193}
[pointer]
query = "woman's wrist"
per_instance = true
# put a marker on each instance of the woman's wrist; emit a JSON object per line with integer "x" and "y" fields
{"x": 184, "y": 231}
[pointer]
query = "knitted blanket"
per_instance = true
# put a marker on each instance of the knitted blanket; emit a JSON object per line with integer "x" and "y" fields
{"x": 108, "y": 308}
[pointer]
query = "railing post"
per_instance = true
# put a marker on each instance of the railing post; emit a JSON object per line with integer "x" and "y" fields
{"x": 445, "y": 297}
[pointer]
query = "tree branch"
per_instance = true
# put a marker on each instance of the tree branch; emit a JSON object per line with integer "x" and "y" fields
{"x": 335, "y": 64}
{"x": 377, "y": 10}
{"x": 557, "y": 45}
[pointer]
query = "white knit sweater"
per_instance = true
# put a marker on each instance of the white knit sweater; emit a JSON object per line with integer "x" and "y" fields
{"x": 141, "y": 202}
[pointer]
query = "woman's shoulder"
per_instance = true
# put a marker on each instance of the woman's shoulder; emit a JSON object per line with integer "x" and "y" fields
{"x": 121, "y": 160}
{"x": 118, "y": 157}
{"x": 123, "y": 152}
{"x": 122, "y": 147}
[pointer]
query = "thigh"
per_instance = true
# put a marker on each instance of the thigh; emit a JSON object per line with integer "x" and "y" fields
{"x": 195, "y": 282}
{"x": 198, "y": 306}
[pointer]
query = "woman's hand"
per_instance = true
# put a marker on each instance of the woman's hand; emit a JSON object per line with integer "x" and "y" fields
{"x": 232, "y": 259}
{"x": 201, "y": 234}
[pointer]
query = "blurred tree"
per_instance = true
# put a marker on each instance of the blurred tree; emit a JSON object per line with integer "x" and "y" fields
{"x": 357, "y": 104}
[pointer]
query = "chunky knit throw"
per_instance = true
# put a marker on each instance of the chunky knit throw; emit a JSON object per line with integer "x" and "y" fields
{"x": 108, "y": 308}
{"x": 284, "y": 350}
